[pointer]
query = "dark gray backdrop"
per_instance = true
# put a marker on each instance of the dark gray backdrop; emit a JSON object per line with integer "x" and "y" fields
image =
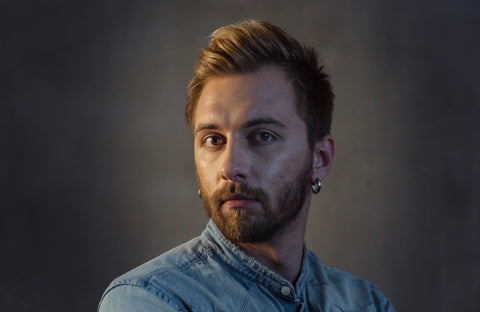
{"x": 97, "y": 169}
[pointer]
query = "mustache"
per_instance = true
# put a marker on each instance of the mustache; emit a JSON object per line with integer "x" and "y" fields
{"x": 238, "y": 189}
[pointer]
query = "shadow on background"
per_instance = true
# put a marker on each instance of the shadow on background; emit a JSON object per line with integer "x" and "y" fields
{"x": 97, "y": 170}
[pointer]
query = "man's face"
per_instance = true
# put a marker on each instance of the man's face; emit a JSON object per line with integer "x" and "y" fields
{"x": 253, "y": 160}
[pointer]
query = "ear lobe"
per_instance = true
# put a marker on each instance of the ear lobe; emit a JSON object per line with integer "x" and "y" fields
{"x": 323, "y": 152}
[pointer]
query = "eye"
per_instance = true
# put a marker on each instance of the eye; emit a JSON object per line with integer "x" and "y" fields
{"x": 262, "y": 138}
{"x": 213, "y": 141}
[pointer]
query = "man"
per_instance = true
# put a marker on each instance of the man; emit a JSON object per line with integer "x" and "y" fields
{"x": 259, "y": 108}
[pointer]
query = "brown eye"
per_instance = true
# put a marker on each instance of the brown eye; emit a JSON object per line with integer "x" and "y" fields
{"x": 262, "y": 138}
{"x": 213, "y": 141}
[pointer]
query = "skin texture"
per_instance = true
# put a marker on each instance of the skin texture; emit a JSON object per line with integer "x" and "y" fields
{"x": 255, "y": 167}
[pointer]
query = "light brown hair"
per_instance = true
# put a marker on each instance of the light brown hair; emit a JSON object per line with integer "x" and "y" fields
{"x": 246, "y": 47}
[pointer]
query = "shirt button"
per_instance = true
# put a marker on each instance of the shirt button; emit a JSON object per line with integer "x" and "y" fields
{"x": 285, "y": 290}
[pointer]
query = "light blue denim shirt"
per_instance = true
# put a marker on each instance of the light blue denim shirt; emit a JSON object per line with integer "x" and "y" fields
{"x": 209, "y": 273}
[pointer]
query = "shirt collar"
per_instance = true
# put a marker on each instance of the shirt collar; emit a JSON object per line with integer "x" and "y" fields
{"x": 250, "y": 267}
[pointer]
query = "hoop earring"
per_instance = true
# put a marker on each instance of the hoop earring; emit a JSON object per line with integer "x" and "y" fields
{"x": 316, "y": 186}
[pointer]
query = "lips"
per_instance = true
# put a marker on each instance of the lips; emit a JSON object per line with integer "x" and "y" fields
{"x": 236, "y": 200}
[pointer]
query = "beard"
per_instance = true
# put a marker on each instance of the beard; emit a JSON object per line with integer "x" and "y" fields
{"x": 251, "y": 225}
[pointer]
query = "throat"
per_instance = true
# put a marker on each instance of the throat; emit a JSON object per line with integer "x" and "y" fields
{"x": 285, "y": 261}
{"x": 283, "y": 254}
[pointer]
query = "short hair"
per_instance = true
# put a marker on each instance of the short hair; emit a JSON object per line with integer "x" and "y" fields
{"x": 246, "y": 47}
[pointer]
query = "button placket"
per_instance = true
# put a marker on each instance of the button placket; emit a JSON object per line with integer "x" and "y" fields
{"x": 285, "y": 290}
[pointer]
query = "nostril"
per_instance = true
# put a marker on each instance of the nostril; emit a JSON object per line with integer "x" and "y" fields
{"x": 235, "y": 175}
{"x": 238, "y": 177}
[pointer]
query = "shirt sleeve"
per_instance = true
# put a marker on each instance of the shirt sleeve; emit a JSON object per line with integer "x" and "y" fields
{"x": 132, "y": 298}
{"x": 387, "y": 307}
{"x": 383, "y": 305}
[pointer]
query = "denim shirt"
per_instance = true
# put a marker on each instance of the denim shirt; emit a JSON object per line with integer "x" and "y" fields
{"x": 209, "y": 273}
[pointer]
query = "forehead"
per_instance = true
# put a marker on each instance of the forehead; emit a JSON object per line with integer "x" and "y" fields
{"x": 236, "y": 99}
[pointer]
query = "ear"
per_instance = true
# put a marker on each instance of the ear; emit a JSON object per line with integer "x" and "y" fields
{"x": 323, "y": 151}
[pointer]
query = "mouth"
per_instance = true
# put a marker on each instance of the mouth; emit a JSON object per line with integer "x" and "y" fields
{"x": 236, "y": 200}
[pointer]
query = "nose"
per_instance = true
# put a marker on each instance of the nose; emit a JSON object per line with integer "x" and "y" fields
{"x": 235, "y": 165}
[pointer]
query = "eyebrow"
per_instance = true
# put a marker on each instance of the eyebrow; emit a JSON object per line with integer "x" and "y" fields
{"x": 248, "y": 124}
{"x": 263, "y": 120}
{"x": 206, "y": 126}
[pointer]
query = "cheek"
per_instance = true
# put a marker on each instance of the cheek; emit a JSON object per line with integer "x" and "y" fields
{"x": 205, "y": 172}
{"x": 285, "y": 168}
{"x": 274, "y": 171}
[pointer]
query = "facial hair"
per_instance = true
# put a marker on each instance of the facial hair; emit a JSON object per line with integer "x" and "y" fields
{"x": 241, "y": 224}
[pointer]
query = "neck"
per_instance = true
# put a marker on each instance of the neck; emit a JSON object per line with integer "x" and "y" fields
{"x": 283, "y": 253}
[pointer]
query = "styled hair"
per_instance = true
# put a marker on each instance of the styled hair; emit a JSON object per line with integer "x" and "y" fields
{"x": 250, "y": 45}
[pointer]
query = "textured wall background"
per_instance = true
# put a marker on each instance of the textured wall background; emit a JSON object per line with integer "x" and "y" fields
{"x": 97, "y": 171}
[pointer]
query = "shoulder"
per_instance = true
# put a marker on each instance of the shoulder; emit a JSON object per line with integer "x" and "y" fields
{"x": 150, "y": 284}
{"x": 179, "y": 259}
{"x": 346, "y": 291}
